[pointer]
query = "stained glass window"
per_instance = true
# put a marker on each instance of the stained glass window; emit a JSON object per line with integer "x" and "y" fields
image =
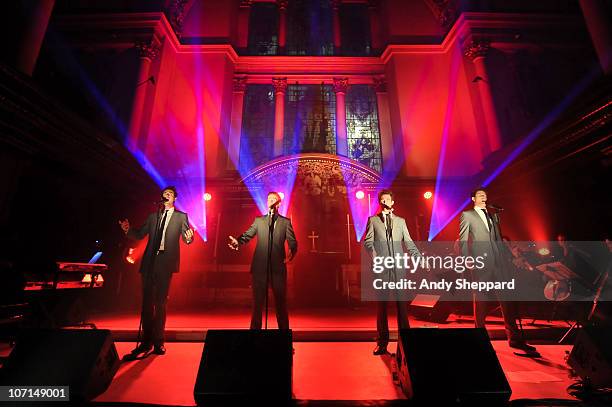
{"x": 362, "y": 130}
{"x": 257, "y": 138}
{"x": 355, "y": 29}
{"x": 310, "y": 119}
{"x": 309, "y": 28}
{"x": 263, "y": 29}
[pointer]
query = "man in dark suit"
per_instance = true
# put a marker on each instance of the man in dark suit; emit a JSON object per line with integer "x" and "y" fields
{"x": 479, "y": 233}
{"x": 160, "y": 260}
{"x": 276, "y": 274}
{"x": 386, "y": 235}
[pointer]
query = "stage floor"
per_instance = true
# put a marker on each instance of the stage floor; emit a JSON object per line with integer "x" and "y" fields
{"x": 309, "y": 324}
{"x": 325, "y": 371}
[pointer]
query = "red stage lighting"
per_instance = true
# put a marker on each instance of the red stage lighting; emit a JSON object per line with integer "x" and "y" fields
{"x": 427, "y": 195}
{"x": 207, "y": 196}
{"x": 359, "y": 194}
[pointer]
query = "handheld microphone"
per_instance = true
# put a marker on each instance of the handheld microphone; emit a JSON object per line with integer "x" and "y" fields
{"x": 495, "y": 207}
{"x": 161, "y": 201}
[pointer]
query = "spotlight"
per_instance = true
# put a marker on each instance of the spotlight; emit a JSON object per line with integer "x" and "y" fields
{"x": 543, "y": 251}
{"x": 207, "y": 196}
{"x": 282, "y": 195}
{"x": 427, "y": 195}
{"x": 359, "y": 194}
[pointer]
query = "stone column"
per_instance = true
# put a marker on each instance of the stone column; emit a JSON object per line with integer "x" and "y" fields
{"x": 282, "y": 25}
{"x": 598, "y": 23}
{"x": 280, "y": 88}
{"x": 384, "y": 124}
{"x": 32, "y": 34}
{"x": 336, "y": 26}
{"x": 233, "y": 147}
{"x": 477, "y": 50}
{"x": 147, "y": 52}
{"x": 244, "y": 14}
{"x": 340, "y": 87}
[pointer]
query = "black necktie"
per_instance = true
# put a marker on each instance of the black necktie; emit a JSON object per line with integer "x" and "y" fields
{"x": 389, "y": 226}
{"x": 160, "y": 230}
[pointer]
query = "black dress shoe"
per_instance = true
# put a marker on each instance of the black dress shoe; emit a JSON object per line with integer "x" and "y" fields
{"x": 137, "y": 352}
{"x": 159, "y": 350}
{"x": 522, "y": 345}
{"x": 380, "y": 350}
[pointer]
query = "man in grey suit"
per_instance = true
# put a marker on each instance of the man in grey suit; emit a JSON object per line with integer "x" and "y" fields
{"x": 480, "y": 235}
{"x": 161, "y": 259}
{"x": 386, "y": 234}
{"x": 275, "y": 275}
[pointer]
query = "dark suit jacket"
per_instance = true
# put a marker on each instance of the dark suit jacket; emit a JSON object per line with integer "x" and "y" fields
{"x": 283, "y": 230}
{"x": 177, "y": 226}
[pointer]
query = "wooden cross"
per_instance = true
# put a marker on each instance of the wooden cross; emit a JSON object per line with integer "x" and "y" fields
{"x": 313, "y": 237}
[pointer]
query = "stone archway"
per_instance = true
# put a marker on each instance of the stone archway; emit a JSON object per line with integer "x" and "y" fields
{"x": 319, "y": 184}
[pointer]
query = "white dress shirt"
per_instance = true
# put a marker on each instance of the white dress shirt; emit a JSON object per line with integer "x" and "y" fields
{"x": 168, "y": 213}
{"x": 480, "y": 213}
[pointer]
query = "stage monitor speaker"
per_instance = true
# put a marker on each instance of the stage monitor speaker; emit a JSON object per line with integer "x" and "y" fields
{"x": 86, "y": 360}
{"x": 591, "y": 356}
{"x": 245, "y": 366}
{"x": 429, "y": 307}
{"x": 451, "y": 366}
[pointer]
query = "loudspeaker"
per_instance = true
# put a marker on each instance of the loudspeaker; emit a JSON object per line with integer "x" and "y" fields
{"x": 591, "y": 356}
{"x": 86, "y": 360}
{"x": 451, "y": 366}
{"x": 245, "y": 366}
{"x": 429, "y": 307}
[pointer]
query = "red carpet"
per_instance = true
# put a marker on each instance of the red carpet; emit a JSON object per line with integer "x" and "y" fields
{"x": 325, "y": 371}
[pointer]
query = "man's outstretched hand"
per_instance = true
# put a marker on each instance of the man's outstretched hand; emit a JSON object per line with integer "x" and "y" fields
{"x": 233, "y": 243}
{"x": 125, "y": 225}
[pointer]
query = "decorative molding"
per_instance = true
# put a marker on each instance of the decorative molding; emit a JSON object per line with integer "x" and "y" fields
{"x": 240, "y": 84}
{"x": 176, "y": 14}
{"x": 280, "y": 85}
{"x": 476, "y": 48}
{"x": 282, "y": 5}
{"x": 340, "y": 85}
{"x": 314, "y": 174}
{"x": 380, "y": 84}
{"x": 147, "y": 50}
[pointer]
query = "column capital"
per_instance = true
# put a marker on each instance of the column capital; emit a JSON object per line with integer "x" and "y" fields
{"x": 380, "y": 84}
{"x": 240, "y": 84}
{"x": 282, "y": 4}
{"x": 280, "y": 85}
{"x": 476, "y": 48}
{"x": 340, "y": 85}
{"x": 147, "y": 50}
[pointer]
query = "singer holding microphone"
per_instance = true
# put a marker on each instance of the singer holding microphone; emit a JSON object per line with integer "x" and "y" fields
{"x": 268, "y": 267}
{"x": 480, "y": 235}
{"x": 386, "y": 235}
{"x": 160, "y": 260}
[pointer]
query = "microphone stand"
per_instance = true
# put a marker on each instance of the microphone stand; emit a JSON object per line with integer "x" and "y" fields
{"x": 269, "y": 265}
{"x": 148, "y": 277}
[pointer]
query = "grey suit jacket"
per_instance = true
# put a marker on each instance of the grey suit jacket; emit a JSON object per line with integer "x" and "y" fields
{"x": 375, "y": 239}
{"x": 283, "y": 231}
{"x": 170, "y": 260}
{"x": 476, "y": 240}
